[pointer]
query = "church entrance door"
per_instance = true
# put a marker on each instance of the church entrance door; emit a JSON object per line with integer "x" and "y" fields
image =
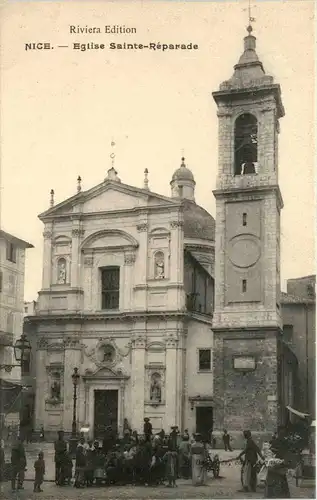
{"x": 204, "y": 421}
{"x": 106, "y": 412}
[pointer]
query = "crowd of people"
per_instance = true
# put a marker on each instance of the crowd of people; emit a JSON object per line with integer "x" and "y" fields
{"x": 148, "y": 459}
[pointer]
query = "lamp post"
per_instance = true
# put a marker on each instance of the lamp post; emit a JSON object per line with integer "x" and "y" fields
{"x": 74, "y": 438}
{"x": 22, "y": 349}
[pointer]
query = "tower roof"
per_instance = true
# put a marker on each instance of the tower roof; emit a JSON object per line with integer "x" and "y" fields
{"x": 249, "y": 76}
{"x": 249, "y": 71}
{"x": 183, "y": 173}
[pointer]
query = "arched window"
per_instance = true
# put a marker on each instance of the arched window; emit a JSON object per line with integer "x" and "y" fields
{"x": 245, "y": 144}
{"x": 61, "y": 271}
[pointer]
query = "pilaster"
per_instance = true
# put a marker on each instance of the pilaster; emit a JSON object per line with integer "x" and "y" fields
{"x": 129, "y": 262}
{"x": 72, "y": 359}
{"x": 172, "y": 394}
{"x": 47, "y": 257}
{"x": 138, "y": 381}
{"x": 41, "y": 383}
{"x": 77, "y": 234}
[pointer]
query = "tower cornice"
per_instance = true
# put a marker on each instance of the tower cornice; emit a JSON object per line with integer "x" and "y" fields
{"x": 243, "y": 192}
{"x": 227, "y": 95}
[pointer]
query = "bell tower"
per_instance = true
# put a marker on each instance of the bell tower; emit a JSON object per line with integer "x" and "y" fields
{"x": 247, "y": 318}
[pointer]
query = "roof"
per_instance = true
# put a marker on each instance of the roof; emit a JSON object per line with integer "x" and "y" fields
{"x": 183, "y": 174}
{"x": 80, "y": 197}
{"x": 310, "y": 277}
{"x": 287, "y": 298}
{"x": 198, "y": 223}
{"x": 14, "y": 239}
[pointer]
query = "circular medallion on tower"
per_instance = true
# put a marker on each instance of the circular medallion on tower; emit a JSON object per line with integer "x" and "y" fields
{"x": 244, "y": 250}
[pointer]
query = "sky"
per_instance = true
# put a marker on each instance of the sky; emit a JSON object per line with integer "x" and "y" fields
{"x": 61, "y": 108}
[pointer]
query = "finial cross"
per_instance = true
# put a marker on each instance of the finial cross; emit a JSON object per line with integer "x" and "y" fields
{"x": 112, "y": 155}
{"x": 251, "y": 18}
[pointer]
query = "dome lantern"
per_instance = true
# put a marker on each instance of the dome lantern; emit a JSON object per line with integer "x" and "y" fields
{"x": 183, "y": 183}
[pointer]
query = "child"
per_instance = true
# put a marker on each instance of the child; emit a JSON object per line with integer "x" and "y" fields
{"x": 39, "y": 466}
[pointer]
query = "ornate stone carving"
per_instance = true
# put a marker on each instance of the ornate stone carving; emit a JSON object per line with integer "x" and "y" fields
{"x": 42, "y": 343}
{"x": 88, "y": 261}
{"x": 78, "y": 232}
{"x": 71, "y": 343}
{"x": 142, "y": 227}
{"x": 129, "y": 258}
{"x": 105, "y": 353}
{"x": 139, "y": 342}
{"x": 171, "y": 341}
{"x": 176, "y": 224}
{"x": 47, "y": 234}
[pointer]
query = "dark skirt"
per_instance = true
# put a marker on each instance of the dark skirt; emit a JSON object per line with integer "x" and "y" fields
{"x": 276, "y": 485}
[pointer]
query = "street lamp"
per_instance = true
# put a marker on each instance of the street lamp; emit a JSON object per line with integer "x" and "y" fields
{"x": 22, "y": 349}
{"x": 75, "y": 379}
{"x": 74, "y": 439}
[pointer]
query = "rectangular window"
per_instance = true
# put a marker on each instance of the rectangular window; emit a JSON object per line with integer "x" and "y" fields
{"x": 110, "y": 287}
{"x": 204, "y": 359}
{"x": 244, "y": 286}
{"x": 244, "y": 219}
{"x": 11, "y": 252}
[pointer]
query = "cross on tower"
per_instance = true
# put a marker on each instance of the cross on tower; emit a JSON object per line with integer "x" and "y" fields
{"x": 251, "y": 19}
{"x": 112, "y": 155}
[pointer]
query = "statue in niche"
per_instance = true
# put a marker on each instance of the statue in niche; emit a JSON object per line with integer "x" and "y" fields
{"x": 155, "y": 390}
{"x": 159, "y": 266}
{"x": 56, "y": 391}
{"x": 61, "y": 272}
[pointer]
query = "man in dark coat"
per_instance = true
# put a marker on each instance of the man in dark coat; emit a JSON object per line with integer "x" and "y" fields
{"x": 60, "y": 447}
{"x": 109, "y": 440}
{"x": 18, "y": 464}
{"x": 147, "y": 429}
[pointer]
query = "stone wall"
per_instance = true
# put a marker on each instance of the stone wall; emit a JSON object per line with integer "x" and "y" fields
{"x": 245, "y": 400}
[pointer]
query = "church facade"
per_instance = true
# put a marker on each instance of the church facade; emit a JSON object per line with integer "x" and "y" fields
{"x": 134, "y": 297}
{"x": 127, "y": 299}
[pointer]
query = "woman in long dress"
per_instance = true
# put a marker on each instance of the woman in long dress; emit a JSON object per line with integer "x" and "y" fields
{"x": 276, "y": 485}
{"x": 199, "y": 457}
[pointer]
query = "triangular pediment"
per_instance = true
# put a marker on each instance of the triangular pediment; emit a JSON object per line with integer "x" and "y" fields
{"x": 106, "y": 197}
{"x": 105, "y": 373}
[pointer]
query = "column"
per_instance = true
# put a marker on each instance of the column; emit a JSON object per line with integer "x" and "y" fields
{"x": 47, "y": 259}
{"x": 71, "y": 360}
{"x": 171, "y": 386}
{"x": 138, "y": 382}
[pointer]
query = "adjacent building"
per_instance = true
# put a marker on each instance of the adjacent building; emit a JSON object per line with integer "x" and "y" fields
{"x": 12, "y": 274}
{"x": 299, "y": 332}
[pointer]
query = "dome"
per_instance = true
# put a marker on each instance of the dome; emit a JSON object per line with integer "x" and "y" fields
{"x": 183, "y": 173}
{"x": 198, "y": 223}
